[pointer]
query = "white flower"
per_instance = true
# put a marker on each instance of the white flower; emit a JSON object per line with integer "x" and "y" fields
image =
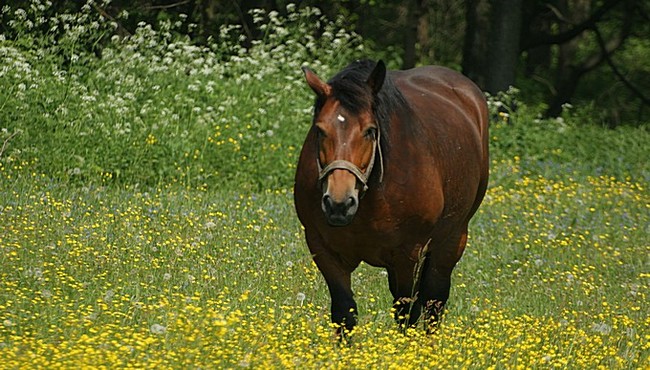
{"x": 157, "y": 329}
{"x": 108, "y": 296}
{"x": 301, "y": 297}
{"x": 601, "y": 328}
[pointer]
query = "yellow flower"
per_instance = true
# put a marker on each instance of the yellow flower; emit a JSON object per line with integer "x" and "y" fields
{"x": 151, "y": 140}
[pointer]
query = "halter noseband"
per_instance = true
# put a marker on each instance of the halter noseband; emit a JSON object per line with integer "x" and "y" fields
{"x": 342, "y": 164}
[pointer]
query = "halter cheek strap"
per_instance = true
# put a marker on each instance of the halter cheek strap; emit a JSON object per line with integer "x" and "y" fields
{"x": 362, "y": 177}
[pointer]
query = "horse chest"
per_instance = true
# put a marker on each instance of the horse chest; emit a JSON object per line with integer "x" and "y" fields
{"x": 378, "y": 240}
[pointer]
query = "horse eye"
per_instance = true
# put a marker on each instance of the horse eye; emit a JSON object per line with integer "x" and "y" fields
{"x": 371, "y": 133}
{"x": 320, "y": 133}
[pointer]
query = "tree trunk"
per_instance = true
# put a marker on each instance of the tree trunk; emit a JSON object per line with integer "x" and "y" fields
{"x": 537, "y": 20}
{"x": 411, "y": 34}
{"x": 565, "y": 88}
{"x": 503, "y": 53}
{"x": 475, "y": 44}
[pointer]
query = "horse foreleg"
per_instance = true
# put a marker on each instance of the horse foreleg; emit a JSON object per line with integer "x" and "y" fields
{"x": 435, "y": 291}
{"x": 406, "y": 306}
{"x": 337, "y": 274}
{"x": 436, "y": 279}
{"x": 343, "y": 306}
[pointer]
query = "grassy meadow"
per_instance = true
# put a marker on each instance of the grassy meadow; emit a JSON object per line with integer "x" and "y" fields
{"x": 146, "y": 215}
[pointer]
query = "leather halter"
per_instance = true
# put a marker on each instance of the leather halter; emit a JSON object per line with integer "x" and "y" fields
{"x": 342, "y": 164}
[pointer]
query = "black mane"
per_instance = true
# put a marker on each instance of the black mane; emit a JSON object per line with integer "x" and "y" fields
{"x": 351, "y": 89}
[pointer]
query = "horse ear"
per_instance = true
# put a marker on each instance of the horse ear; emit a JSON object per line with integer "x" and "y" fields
{"x": 320, "y": 88}
{"x": 377, "y": 77}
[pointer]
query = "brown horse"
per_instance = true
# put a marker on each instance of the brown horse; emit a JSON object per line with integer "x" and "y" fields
{"x": 393, "y": 168}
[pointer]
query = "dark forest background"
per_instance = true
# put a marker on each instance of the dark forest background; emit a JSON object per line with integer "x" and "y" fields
{"x": 592, "y": 54}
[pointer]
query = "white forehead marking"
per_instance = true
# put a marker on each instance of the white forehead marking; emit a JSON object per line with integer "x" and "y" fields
{"x": 341, "y": 118}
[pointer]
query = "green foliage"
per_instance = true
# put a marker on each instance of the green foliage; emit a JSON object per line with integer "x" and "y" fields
{"x": 62, "y": 38}
{"x": 607, "y": 97}
{"x": 155, "y": 106}
{"x": 571, "y": 145}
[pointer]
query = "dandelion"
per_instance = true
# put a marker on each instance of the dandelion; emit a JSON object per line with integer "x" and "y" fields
{"x": 245, "y": 362}
{"x": 108, "y": 296}
{"x": 157, "y": 329}
{"x": 301, "y": 297}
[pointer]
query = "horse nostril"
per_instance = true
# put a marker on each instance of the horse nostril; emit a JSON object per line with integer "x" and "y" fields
{"x": 327, "y": 202}
{"x": 352, "y": 201}
{"x": 331, "y": 206}
{"x": 339, "y": 213}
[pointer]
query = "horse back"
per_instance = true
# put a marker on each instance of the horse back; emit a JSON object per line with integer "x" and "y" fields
{"x": 435, "y": 90}
{"x": 449, "y": 125}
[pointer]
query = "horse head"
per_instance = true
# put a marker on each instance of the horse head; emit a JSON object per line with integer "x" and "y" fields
{"x": 348, "y": 136}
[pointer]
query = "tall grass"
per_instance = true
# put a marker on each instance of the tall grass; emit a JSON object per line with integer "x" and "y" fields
{"x": 146, "y": 215}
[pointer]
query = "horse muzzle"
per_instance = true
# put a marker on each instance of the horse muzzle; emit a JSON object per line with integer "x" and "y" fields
{"x": 339, "y": 211}
{"x": 341, "y": 182}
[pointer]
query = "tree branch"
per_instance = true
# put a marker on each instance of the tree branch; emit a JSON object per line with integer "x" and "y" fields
{"x": 558, "y": 14}
{"x": 560, "y": 38}
{"x": 120, "y": 29}
{"x": 167, "y": 6}
{"x": 606, "y": 49}
{"x": 642, "y": 13}
{"x": 608, "y": 59}
{"x": 568, "y": 82}
{"x": 242, "y": 18}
